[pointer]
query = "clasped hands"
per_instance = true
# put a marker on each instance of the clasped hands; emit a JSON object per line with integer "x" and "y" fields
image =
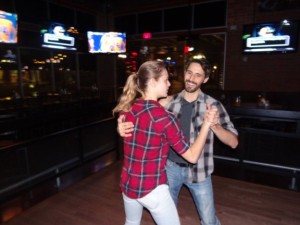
{"x": 211, "y": 117}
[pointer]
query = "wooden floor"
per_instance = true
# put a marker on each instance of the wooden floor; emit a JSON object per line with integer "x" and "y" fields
{"x": 97, "y": 200}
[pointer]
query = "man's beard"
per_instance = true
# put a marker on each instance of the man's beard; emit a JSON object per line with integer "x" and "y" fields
{"x": 191, "y": 89}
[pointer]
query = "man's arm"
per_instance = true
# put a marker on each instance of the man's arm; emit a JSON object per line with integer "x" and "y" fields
{"x": 224, "y": 128}
{"x": 225, "y": 136}
{"x": 124, "y": 128}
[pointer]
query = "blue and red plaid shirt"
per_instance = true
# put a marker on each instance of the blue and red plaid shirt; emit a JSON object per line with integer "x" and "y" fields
{"x": 146, "y": 151}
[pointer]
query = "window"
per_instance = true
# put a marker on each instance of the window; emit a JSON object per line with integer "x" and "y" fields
{"x": 171, "y": 51}
{"x": 64, "y": 65}
{"x": 210, "y": 15}
{"x": 36, "y": 72}
{"x": 171, "y": 21}
{"x": 85, "y": 22}
{"x": 8, "y": 72}
{"x": 62, "y": 14}
{"x": 150, "y": 22}
{"x": 7, "y": 5}
{"x": 126, "y": 24}
{"x": 36, "y": 12}
{"x": 29, "y": 39}
{"x": 88, "y": 72}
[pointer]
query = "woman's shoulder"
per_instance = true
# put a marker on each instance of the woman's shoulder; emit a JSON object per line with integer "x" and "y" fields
{"x": 159, "y": 113}
{"x": 166, "y": 100}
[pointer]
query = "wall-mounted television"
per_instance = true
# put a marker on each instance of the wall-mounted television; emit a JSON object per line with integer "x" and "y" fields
{"x": 106, "y": 42}
{"x": 8, "y": 27}
{"x": 59, "y": 36}
{"x": 273, "y": 37}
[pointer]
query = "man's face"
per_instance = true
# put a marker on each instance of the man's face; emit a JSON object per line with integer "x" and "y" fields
{"x": 194, "y": 77}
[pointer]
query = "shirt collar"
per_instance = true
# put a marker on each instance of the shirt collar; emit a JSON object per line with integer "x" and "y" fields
{"x": 180, "y": 97}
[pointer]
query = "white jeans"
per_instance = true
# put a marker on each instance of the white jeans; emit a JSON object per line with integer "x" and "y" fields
{"x": 160, "y": 204}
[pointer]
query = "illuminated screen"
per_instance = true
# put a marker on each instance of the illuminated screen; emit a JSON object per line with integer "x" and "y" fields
{"x": 59, "y": 36}
{"x": 106, "y": 42}
{"x": 8, "y": 27}
{"x": 271, "y": 37}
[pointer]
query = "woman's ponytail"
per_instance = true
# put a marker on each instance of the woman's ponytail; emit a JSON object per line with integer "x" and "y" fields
{"x": 130, "y": 93}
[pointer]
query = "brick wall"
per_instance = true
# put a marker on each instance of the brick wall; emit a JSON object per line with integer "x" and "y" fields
{"x": 263, "y": 72}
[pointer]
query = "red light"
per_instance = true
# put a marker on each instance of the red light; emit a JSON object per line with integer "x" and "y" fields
{"x": 186, "y": 49}
{"x": 134, "y": 54}
{"x": 147, "y": 35}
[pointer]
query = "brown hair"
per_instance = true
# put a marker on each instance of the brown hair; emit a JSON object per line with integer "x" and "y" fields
{"x": 137, "y": 83}
{"x": 206, "y": 66}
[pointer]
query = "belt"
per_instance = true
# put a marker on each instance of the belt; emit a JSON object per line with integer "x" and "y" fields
{"x": 183, "y": 164}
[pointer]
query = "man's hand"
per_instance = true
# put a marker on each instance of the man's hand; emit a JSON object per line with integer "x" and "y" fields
{"x": 124, "y": 128}
{"x": 212, "y": 115}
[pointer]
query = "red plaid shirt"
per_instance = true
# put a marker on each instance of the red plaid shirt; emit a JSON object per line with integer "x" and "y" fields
{"x": 146, "y": 151}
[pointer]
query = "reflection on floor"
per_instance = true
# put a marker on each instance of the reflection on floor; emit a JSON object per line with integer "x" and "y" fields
{"x": 97, "y": 200}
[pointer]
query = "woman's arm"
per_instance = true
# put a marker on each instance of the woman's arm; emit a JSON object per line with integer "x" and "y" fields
{"x": 165, "y": 101}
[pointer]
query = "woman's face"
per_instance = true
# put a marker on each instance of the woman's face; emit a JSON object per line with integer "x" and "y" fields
{"x": 163, "y": 84}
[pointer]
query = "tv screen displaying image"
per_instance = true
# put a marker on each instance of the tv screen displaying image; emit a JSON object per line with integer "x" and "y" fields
{"x": 8, "y": 27}
{"x": 106, "y": 42}
{"x": 59, "y": 36}
{"x": 271, "y": 37}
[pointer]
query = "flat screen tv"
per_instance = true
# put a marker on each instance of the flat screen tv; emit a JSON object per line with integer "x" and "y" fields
{"x": 106, "y": 42}
{"x": 273, "y": 37}
{"x": 8, "y": 27}
{"x": 59, "y": 36}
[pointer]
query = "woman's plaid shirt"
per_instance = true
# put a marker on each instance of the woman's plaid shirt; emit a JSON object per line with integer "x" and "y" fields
{"x": 146, "y": 151}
